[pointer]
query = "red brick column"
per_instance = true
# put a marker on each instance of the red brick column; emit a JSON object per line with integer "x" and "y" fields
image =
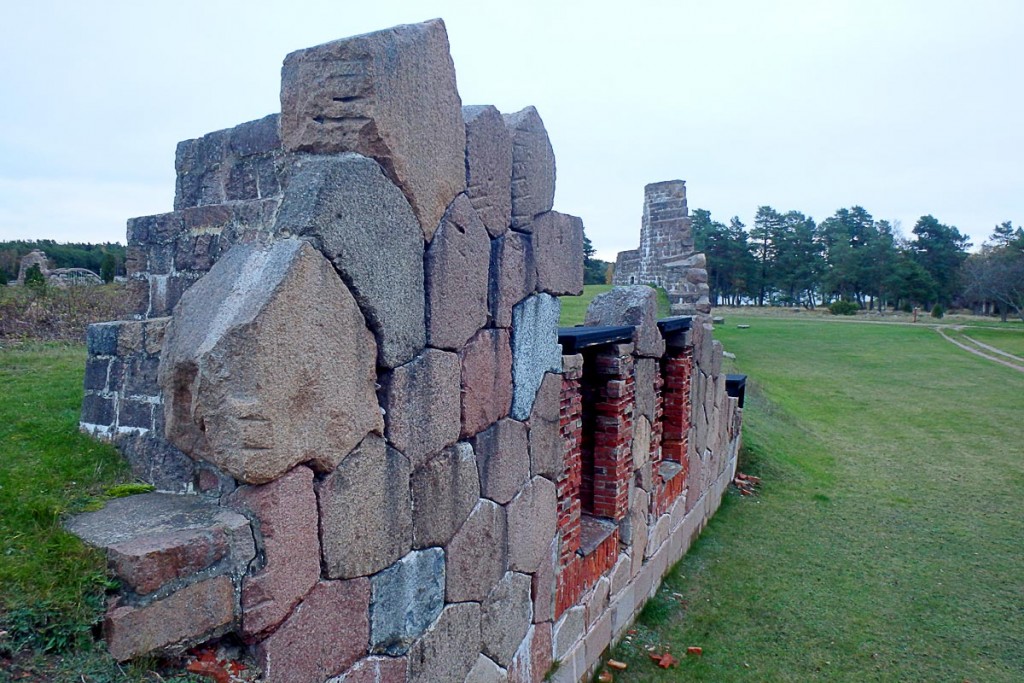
{"x": 614, "y": 402}
{"x": 676, "y": 396}
{"x": 569, "y": 508}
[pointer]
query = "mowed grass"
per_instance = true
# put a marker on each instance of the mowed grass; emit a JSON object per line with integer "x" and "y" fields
{"x": 1010, "y": 340}
{"x": 51, "y": 585}
{"x": 885, "y": 544}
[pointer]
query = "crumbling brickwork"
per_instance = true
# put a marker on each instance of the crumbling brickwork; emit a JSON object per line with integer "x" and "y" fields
{"x": 373, "y": 461}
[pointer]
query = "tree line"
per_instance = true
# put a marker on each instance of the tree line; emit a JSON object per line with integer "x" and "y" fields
{"x": 106, "y": 259}
{"x": 790, "y": 259}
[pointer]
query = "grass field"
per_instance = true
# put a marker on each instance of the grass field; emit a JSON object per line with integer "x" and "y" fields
{"x": 885, "y": 545}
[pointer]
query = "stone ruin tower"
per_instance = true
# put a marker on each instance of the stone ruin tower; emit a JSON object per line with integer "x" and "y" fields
{"x": 666, "y": 256}
{"x": 373, "y": 459}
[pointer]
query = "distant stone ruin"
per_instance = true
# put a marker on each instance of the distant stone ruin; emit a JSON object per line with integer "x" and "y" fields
{"x": 58, "y": 276}
{"x": 666, "y": 256}
{"x": 377, "y": 456}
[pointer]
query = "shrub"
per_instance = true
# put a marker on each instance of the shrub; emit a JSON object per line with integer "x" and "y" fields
{"x": 938, "y": 311}
{"x": 34, "y": 278}
{"x": 843, "y": 307}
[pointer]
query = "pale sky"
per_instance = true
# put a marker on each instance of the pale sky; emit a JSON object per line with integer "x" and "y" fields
{"x": 906, "y": 108}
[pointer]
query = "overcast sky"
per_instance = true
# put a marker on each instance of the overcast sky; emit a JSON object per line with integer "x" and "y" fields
{"x": 906, "y": 108}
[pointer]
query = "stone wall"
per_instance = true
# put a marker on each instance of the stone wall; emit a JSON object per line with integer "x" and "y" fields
{"x": 666, "y": 256}
{"x": 373, "y": 460}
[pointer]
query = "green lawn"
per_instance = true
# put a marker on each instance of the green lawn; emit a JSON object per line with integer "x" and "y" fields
{"x": 886, "y": 542}
{"x": 1008, "y": 340}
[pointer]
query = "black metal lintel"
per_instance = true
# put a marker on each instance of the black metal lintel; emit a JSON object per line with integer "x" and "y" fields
{"x": 736, "y": 386}
{"x": 679, "y": 323}
{"x": 575, "y": 339}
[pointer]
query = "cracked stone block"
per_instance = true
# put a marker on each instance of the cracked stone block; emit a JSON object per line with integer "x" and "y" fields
{"x": 645, "y": 370}
{"x": 405, "y": 599}
{"x": 558, "y": 250}
{"x": 449, "y": 650}
{"x": 477, "y": 555}
{"x": 503, "y": 459}
{"x": 363, "y": 224}
{"x": 325, "y": 634}
{"x": 635, "y": 305}
{"x": 531, "y": 524}
{"x": 489, "y": 167}
{"x": 486, "y": 380}
{"x": 513, "y": 275}
{"x": 389, "y": 95}
{"x": 423, "y": 404}
{"x": 546, "y": 445}
{"x": 486, "y": 671}
{"x": 505, "y": 617}
{"x": 641, "y": 448}
{"x": 269, "y": 334}
{"x": 445, "y": 490}
{"x": 183, "y": 618}
{"x": 544, "y": 584}
{"x": 535, "y": 349}
{"x": 365, "y": 511}
{"x": 533, "y": 167}
{"x": 154, "y": 539}
{"x": 286, "y": 521}
{"x": 456, "y": 268}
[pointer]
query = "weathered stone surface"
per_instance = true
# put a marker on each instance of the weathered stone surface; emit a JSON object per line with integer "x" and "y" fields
{"x": 641, "y": 443}
{"x": 325, "y": 634}
{"x": 448, "y": 652}
{"x": 638, "y": 513}
{"x": 285, "y": 515}
{"x": 502, "y": 459}
{"x": 365, "y": 511}
{"x": 532, "y": 661}
{"x": 477, "y": 555}
{"x": 558, "y": 250}
{"x": 375, "y": 670}
{"x": 489, "y": 167}
{"x": 389, "y": 95}
{"x": 533, "y": 167}
{"x": 544, "y": 584}
{"x": 155, "y": 538}
{"x": 531, "y": 524}
{"x": 228, "y": 165}
{"x": 182, "y": 618}
{"x": 422, "y": 404}
{"x": 633, "y": 305}
{"x": 361, "y": 222}
{"x": 445, "y": 490}
{"x": 535, "y": 349}
{"x": 486, "y": 671}
{"x": 596, "y": 600}
{"x": 405, "y": 599}
{"x": 456, "y": 267}
{"x": 513, "y": 275}
{"x": 505, "y": 617}
{"x": 568, "y": 630}
{"x": 486, "y": 380}
{"x": 546, "y": 447}
{"x": 267, "y": 335}
{"x": 646, "y": 370}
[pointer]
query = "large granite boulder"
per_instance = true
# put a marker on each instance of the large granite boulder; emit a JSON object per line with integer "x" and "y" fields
{"x": 486, "y": 379}
{"x": 365, "y": 511}
{"x": 445, "y": 490}
{"x": 285, "y": 514}
{"x": 389, "y": 95}
{"x": 535, "y": 349}
{"x": 635, "y": 305}
{"x": 489, "y": 167}
{"x": 533, "y": 167}
{"x": 456, "y": 266}
{"x": 405, "y": 599}
{"x": 422, "y": 404}
{"x": 267, "y": 363}
{"x": 558, "y": 250}
{"x": 360, "y": 221}
{"x": 513, "y": 275}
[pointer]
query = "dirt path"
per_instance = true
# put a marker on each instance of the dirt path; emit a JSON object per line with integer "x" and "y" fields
{"x": 978, "y": 352}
